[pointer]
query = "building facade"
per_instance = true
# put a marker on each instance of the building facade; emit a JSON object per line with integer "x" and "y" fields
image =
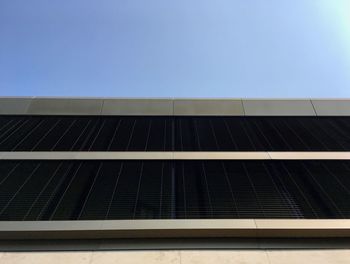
{"x": 103, "y": 168}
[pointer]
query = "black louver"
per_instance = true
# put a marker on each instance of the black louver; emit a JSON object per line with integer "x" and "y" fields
{"x": 70, "y": 190}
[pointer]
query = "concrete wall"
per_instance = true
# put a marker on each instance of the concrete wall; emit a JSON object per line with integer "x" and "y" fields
{"x": 173, "y": 106}
{"x": 181, "y": 257}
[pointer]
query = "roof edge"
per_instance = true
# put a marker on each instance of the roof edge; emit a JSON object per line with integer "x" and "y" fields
{"x": 174, "y": 106}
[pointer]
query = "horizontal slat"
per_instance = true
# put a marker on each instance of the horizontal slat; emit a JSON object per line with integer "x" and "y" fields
{"x": 216, "y": 155}
{"x": 173, "y": 155}
{"x": 85, "y": 155}
{"x": 173, "y": 228}
{"x": 326, "y": 155}
{"x": 303, "y": 228}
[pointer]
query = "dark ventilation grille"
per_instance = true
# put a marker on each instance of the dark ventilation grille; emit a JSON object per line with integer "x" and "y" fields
{"x": 75, "y": 190}
{"x": 55, "y": 133}
{"x": 52, "y": 133}
{"x": 262, "y": 133}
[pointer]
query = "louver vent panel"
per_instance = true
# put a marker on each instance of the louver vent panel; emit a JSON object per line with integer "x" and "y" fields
{"x": 97, "y": 190}
{"x": 67, "y": 133}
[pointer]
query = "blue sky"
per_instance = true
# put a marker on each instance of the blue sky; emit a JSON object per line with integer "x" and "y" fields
{"x": 182, "y": 48}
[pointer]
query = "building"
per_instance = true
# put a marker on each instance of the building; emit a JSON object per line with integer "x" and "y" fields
{"x": 101, "y": 170}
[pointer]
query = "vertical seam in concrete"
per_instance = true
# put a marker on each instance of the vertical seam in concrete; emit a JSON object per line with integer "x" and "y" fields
{"x": 173, "y": 102}
{"x": 313, "y": 107}
{"x": 25, "y": 112}
{"x": 244, "y": 114}
{"x": 267, "y": 256}
{"x": 91, "y": 256}
{"x": 268, "y": 153}
{"x": 30, "y": 104}
{"x": 256, "y": 228}
{"x": 102, "y": 105}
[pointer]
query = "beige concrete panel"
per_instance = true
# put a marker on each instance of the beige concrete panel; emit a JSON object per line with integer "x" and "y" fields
{"x": 169, "y": 155}
{"x": 305, "y": 243}
{"x": 180, "y": 228}
{"x": 86, "y": 155}
{"x": 303, "y": 223}
{"x": 212, "y": 107}
{"x": 303, "y": 227}
{"x": 49, "y": 245}
{"x": 224, "y": 256}
{"x": 336, "y": 107}
{"x": 50, "y": 229}
{"x": 14, "y": 105}
{"x": 65, "y": 106}
{"x": 178, "y": 224}
{"x": 239, "y": 155}
{"x": 281, "y": 107}
{"x": 46, "y": 258}
{"x": 126, "y": 229}
{"x": 132, "y": 155}
{"x": 38, "y": 155}
{"x": 325, "y": 155}
{"x": 319, "y": 256}
{"x": 23, "y": 226}
{"x": 125, "y": 155}
{"x": 162, "y": 107}
{"x": 194, "y": 228}
{"x": 181, "y": 243}
{"x": 132, "y": 257}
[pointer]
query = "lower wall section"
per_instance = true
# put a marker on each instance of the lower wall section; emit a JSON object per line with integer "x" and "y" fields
{"x": 174, "y": 199}
{"x": 182, "y": 257}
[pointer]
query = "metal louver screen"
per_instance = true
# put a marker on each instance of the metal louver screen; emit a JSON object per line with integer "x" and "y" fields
{"x": 76, "y": 190}
{"x": 69, "y": 133}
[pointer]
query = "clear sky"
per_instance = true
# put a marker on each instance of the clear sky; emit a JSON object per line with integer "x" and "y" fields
{"x": 177, "y": 48}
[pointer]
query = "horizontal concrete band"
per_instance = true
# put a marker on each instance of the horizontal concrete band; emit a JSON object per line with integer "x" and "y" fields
{"x": 98, "y": 229}
{"x": 169, "y": 155}
{"x": 173, "y": 106}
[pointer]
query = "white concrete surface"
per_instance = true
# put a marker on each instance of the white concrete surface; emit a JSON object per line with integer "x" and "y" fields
{"x": 46, "y": 257}
{"x": 319, "y": 256}
{"x": 309, "y": 256}
{"x": 224, "y": 256}
{"x": 131, "y": 257}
